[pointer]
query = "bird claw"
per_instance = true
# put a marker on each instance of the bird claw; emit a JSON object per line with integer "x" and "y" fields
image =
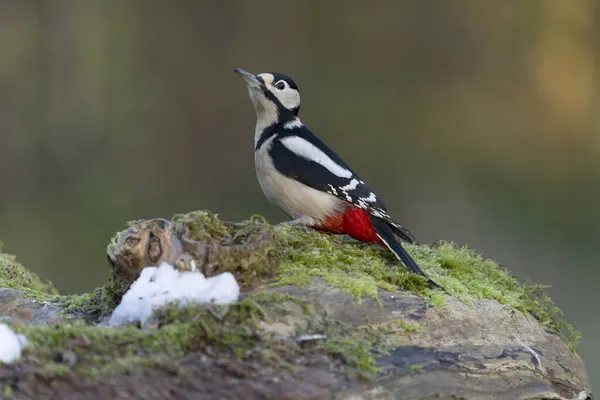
{"x": 302, "y": 221}
{"x": 294, "y": 222}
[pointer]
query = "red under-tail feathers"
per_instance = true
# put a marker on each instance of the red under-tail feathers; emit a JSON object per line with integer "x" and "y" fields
{"x": 353, "y": 222}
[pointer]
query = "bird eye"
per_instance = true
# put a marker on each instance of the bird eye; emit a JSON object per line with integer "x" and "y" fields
{"x": 280, "y": 85}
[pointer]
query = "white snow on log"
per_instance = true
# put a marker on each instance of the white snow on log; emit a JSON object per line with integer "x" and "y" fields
{"x": 11, "y": 344}
{"x": 161, "y": 285}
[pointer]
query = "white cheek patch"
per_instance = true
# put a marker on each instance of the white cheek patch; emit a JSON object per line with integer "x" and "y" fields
{"x": 290, "y": 98}
{"x": 309, "y": 151}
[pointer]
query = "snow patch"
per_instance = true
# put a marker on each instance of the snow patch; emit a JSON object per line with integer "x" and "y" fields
{"x": 161, "y": 285}
{"x": 11, "y": 344}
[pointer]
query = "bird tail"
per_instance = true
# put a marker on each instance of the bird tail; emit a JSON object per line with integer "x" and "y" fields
{"x": 402, "y": 232}
{"x": 386, "y": 234}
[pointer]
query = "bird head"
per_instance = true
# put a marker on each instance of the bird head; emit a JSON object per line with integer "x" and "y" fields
{"x": 275, "y": 96}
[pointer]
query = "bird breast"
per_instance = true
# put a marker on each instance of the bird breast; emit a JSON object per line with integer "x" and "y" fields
{"x": 294, "y": 198}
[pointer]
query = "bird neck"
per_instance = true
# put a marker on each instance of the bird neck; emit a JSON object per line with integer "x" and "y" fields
{"x": 264, "y": 121}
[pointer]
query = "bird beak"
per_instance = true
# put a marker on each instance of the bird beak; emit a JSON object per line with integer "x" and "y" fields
{"x": 250, "y": 79}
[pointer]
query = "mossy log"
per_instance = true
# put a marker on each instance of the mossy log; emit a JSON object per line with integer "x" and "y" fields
{"x": 320, "y": 317}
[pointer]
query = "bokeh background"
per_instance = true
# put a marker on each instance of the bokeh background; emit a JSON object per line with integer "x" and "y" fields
{"x": 476, "y": 121}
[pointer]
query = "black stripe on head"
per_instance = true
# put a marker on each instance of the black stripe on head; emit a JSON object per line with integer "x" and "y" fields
{"x": 281, "y": 77}
{"x": 285, "y": 114}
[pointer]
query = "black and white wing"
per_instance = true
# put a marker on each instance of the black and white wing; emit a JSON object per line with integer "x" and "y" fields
{"x": 299, "y": 154}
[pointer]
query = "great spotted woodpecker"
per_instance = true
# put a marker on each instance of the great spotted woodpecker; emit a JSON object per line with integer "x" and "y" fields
{"x": 307, "y": 180}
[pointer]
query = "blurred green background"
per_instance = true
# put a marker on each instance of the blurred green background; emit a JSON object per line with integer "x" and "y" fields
{"x": 476, "y": 121}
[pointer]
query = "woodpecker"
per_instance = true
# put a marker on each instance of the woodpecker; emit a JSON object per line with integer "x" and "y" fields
{"x": 307, "y": 180}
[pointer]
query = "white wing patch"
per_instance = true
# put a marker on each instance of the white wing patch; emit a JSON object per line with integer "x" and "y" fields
{"x": 350, "y": 186}
{"x": 350, "y": 193}
{"x": 377, "y": 212}
{"x": 309, "y": 151}
{"x": 371, "y": 199}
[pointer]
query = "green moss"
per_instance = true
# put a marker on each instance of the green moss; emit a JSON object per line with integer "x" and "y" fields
{"x": 100, "y": 349}
{"x": 88, "y": 306}
{"x": 400, "y": 325}
{"x": 248, "y": 249}
{"x": 414, "y": 369}
{"x": 77, "y": 303}
{"x": 105, "y": 350}
{"x": 240, "y": 331}
{"x": 276, "y": 300}
{"x": 471, "y": 278}
{"x": 248, "y": 330}
{"x": 7, "y": 391}
{"x": 355, "y": 354}
{"x": 14, "y": 275}
{"x": 360, "y": 269}
{"x": 203, "y": 225}
{"x": 541, "y": 306}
